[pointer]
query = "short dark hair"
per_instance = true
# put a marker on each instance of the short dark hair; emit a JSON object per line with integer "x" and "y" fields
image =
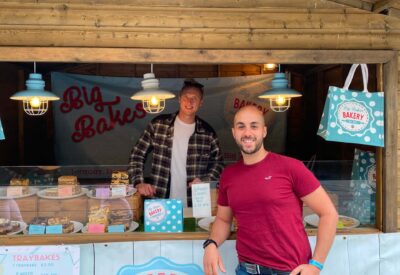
{"x": 191, "y": 83}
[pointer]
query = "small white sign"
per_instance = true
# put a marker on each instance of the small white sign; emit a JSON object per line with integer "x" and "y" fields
{"x": 201, "y": 200}
{"x": 118, "y": 191}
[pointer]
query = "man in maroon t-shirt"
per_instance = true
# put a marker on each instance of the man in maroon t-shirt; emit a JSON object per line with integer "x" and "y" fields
{"x": 265, "y": 192}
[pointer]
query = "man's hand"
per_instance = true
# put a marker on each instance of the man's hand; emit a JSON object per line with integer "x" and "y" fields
{"x": 212, "y": 260}
{"x": 196, "y": 180}
{"x": 146, "y": 189}
{"x": 305, "y": 269}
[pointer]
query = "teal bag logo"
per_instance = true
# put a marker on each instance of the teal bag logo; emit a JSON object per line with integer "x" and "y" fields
{"x": 353, "y": 116}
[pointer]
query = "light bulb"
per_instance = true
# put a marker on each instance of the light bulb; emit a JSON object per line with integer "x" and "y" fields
{"x": 35, "y": 102}
{"x": 154, "y": 101}
{"x": 280, "y": 100}
{"x": 269, "y": 66}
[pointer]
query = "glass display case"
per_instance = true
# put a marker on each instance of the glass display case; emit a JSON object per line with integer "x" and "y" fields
{"x": 99, "y": 199}
{"x": 352, "y": 189}
{"x": 84, "y": 199}
{"x": 75, "y": 208}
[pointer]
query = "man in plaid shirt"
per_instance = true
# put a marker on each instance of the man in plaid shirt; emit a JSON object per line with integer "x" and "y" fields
{"x": 185, "y": 150}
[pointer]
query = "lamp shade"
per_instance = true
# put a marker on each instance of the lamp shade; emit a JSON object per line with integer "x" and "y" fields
{"x": 35, "y": 98}
{"x": 34, "y": 88}
{"x": 280, "y": 88}
{"x": 152, "y": 97}
{"x": 280, "y": 94}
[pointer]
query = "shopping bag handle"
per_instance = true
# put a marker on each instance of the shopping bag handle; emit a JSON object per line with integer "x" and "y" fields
{"x": 364, "y": 71}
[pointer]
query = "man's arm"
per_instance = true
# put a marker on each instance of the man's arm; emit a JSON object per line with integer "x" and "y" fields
{"x": 322, "y": 205}
{"x": 138, "y": 156}
{"x": 220, "y": 231}
{"x": 215, "y": 163}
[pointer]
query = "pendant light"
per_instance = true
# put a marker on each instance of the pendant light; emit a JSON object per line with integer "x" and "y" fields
{"x": 280, "y": 94}
{"x": 35, "y": 98}
{"x": 152, "y": 97}
{"x": 269, "y": 66}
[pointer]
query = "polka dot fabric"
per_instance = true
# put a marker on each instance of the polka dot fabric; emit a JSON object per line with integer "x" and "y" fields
{"x": 163, "y": 215}
{"x": 363, "y": 187}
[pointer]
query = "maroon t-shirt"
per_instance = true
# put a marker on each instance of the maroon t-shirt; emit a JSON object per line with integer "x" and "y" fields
{"x": 265, "y": 199}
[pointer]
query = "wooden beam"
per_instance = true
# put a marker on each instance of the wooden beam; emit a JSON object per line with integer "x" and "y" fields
{"x": 75, "y": 25}
{"x": 360, "y": 4}
{"x": 382, "y": 5}
{"x": 277, "y": 39}
{"x": 309, "y": 4}
{"x": 187, "y": 56}
{"x": 394, "y": 12}
{"x": 390, "y": 71}
{"x": 127, "y": 18}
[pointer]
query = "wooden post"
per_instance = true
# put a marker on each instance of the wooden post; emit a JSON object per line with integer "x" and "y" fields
{"x": 390, "y": 71}
{"x": 379, "y": 160}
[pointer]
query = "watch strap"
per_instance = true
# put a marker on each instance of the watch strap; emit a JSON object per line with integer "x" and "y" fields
{"x": 208, "y": 242}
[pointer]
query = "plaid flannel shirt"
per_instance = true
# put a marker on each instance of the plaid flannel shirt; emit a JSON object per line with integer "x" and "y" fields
{"x": 204, "y": 157}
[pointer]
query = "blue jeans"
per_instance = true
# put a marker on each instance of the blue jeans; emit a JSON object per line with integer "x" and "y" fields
{"x": 241, "y": 270}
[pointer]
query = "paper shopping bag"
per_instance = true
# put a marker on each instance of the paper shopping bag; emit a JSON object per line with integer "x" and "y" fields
{"x": 353, "y": 116}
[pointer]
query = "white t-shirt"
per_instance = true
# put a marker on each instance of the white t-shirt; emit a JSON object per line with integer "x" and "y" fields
{"x": 180, "y": 142}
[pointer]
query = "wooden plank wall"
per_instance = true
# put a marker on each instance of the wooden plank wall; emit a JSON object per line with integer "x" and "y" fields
{"x": 224, "y": 25}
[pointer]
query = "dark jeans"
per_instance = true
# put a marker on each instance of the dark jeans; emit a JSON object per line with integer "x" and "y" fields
{"x": 241, "y": 270}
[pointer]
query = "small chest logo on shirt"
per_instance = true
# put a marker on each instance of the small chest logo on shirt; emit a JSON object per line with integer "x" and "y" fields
{"x": 268, "y": 178}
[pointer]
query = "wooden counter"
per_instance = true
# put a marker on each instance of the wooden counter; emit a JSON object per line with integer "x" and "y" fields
{"x": 83, "y": 238}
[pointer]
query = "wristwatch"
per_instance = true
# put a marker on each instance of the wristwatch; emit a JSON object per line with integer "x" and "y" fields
{"x": 209, "y": 241}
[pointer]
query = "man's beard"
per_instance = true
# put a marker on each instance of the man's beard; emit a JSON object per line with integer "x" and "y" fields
{"x": 250, "y": 151}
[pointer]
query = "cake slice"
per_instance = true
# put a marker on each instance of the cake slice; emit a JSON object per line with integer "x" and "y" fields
{"x": 124, "y": 217}
{"x": 39, "y": 221}
{"x": 66, "y": 223}
{"x": 21, "y": 182}
{"x": 99, "y": 215}
{"x": 67, "y": 180}
{"x": 120, "y": 178}
{"x": 5, "y": 226}
{"x": 70, "y": 180}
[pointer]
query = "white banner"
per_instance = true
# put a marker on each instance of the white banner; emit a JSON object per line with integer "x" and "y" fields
{"x": 96, "y": 122}
{"x": 39, "y": 260}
